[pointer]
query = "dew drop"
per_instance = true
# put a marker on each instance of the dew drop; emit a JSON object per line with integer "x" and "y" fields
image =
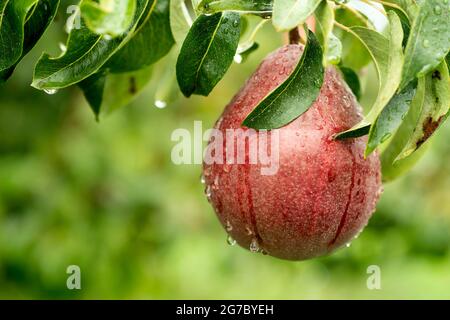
{"x": 207, "y": 171}
{"x": 348, "y": 245}
{"x": 226, "y": 168}
{"x": 208, "y": 192}
{"x": 235, "y": 23}
{"x": 231, "y": 241}
{"x": 254, "y": 246}
{"x": 238, "y": 59}
{"x": 160, "y": 104}
{"x": 228, "y": 226}
{"x": 50, "y": 91}
{"x": 202, "y": 179}
{"x": 248, "y": 230}
{"x": 215, "y": 185}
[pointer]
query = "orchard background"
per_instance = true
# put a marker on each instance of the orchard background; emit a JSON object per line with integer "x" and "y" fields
{"x": 105, "y": 196}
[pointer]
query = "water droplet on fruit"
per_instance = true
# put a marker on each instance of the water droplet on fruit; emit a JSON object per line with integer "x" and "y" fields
{"x": 50, "y": 91}
{"x": 348, "y": 245}
{"x": 207, "y": 171}
{"x": 254, "y": 246}
{"x": 231, "y": 241}
{"x": 248, "y": 230}
{"x": 208, "y": 193}
{"x": 107, "y": 37}
{"x": 215, "y": 185}
{"x": 160, "y": 104}
{"x": 202, "y": 179}
{"x": 228, "y": 226}
{"x": 235, "y": 23}
{"x": 226, "y": 168}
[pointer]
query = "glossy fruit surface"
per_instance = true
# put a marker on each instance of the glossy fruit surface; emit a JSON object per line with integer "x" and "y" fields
{"x": 323, "y": 192}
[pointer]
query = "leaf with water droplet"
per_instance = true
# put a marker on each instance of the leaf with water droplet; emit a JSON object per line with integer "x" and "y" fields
{"x": 387, "y": 54}
{"x": 207, "y": 53}
{"x": 390, "y": 118}
{"x": 295, "y": 95}
{"x": 22, "y": 23}
{"x": 427, "y": 48}
{"x": 86, "y": 53}
{"x": 260, "y": 7}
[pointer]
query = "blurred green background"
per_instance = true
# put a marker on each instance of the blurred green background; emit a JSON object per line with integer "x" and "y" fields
{"x": 106, "y": 196}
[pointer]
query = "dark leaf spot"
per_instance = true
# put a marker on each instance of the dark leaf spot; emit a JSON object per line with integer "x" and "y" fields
{"x": 429, "y": 127}
{"x": 437, "y": 75}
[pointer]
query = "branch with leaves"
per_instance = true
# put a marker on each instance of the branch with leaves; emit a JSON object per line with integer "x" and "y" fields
{"x": 113, "y": 44}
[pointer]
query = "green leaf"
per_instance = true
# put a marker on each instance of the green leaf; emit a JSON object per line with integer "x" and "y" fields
{"x": 352, "y": 79}
{"x": 22, "y": 23}
{"x": 332, "y": 46}
{"x": 86, "y": 53}
{"x": 151, "y": 40}
{"x": 262, "y": 7}
{"x": 108, "y": 92}
{"x": 167, "y": 91}
{"x": 180, "y": 20}
{"x": 387, "y": 54}
{"x": 429, "y": 41}
{"x": 391, "y": 167}
{"x": 354, "y": 53}
{"x": 207, "y": 52}
{"x": 391, "y": 118}
{"x": 409, "y": 8}
{"x": 108, "y": 17}
{"x": 295, "y": 95}
{"x": 93, "y": 88}
{"x": 433, "y": 112}
{"x": 288, "y": 14}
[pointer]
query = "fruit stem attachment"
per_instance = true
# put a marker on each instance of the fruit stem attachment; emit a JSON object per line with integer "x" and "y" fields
{"x": 294, "y": 36}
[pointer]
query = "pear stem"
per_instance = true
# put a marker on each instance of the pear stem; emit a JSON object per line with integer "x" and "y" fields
{"x": 294, "y": 36}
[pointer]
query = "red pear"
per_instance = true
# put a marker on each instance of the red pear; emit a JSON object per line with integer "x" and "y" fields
{"x": 323, "y": 191}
